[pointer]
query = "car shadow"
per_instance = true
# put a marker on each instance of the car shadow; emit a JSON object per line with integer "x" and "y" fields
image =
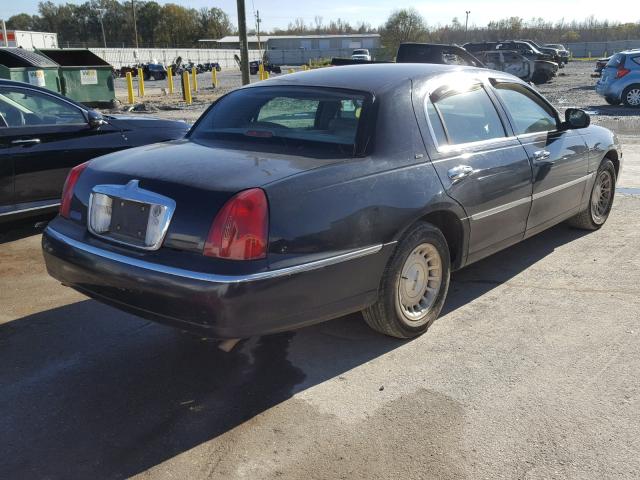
{"x": 87, "y": 391}
{"x": 19, "y": 229}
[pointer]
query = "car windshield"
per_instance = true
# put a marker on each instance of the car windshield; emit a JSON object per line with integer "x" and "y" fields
{"x": 320, "y": 119}
{"x": 360, "y": 52}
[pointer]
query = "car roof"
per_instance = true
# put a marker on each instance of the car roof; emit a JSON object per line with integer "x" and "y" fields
{"x": 14, "y": 83}
{"x": 372, "y": 78}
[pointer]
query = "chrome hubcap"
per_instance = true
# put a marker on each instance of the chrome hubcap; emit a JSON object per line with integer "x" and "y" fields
{"x": 633, "y": 97}
{"x": 419, "y": 284}
{"x": 601, "y": 197}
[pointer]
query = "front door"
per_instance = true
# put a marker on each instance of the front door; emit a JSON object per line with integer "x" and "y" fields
{"x": 559, "y": 157}
{"x": 44, "y": 138}
{"x": 480, "y": 165}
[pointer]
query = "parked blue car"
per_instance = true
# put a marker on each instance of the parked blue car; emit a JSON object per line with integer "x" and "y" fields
{"x": 620, "y": 82}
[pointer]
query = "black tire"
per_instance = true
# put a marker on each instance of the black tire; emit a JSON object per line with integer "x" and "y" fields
{"x": 612, "y": 101}
{"x": 591, "y": 218}
{"x": 630, "y": 96}
{"x": 386, "y": 315}
{"x": 539, "y": 77}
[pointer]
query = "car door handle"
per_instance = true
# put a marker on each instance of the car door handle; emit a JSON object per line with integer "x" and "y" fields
{"x": 458, "y": 173}
{"x": 541, "y": 155}
{"x": 26, "y": 141}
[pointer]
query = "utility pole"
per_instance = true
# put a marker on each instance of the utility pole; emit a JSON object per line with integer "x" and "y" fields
{"x": 244, "y": 47}
{"x": 135, "y": 26}
{"x": 258, "y": 31}
{"x": 4, "y": 34}
{"x": 101, "y": 12}
{"x": 466, "y": 25}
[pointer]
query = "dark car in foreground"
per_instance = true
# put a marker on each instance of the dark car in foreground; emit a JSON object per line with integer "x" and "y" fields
{"x": 43, "y": 135}
{"x": 317, "y": 194}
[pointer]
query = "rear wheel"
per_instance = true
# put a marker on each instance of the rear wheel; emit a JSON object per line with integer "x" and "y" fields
{"x": 414, "y": 285}
{"x": 600, "y": 201}
{"x": 631, "y": 96}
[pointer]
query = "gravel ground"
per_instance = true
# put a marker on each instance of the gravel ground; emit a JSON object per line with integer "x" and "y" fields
{"x": 530, "y": 373}
{"x": 573, "y": 87}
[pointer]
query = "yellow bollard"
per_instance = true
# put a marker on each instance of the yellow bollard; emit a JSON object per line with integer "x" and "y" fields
{"x": 214, "y": 78}
{"x": 266, "y": 75}
{"x": 170, "y": 80}
{"x": 194, "y": 74}
{"x": 186, "y": 88}
{"x": 291, "y": 70}
{"x": 132, "y": 98}
{"x": 140, "y": 82}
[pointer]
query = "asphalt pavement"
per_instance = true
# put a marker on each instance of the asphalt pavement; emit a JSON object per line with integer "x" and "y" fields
{"x": 530, "y": 373}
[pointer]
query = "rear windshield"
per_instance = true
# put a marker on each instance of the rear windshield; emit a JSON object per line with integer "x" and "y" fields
{"x": 616, "y": 60}
{"x": 315, "y": 118}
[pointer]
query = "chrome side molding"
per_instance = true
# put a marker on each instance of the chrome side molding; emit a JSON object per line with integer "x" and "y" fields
{"x": 212, "y": 277}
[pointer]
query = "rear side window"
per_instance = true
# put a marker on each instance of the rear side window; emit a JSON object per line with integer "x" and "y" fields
{"x": 530, "y": 114}
{"x": 615, "y": 61}
{"x": 636, "y": 59}
{"x": 464, "y": 115}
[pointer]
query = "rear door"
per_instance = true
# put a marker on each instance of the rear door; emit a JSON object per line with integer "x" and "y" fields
{"x": 559, "y": 157}
{"x": 480, "y": 164}
{"x": 6, "y": 172}
{"x": 44, "y": 138}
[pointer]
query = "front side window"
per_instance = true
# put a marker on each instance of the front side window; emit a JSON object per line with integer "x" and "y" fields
{"x": 290, "y": 117}
{"x": 466, "y": 114}
{"x": 529, "y": 113}
{"x": 20, "y": 108}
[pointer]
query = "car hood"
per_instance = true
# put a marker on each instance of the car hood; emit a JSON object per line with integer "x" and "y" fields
{"x": 145, "y": 121}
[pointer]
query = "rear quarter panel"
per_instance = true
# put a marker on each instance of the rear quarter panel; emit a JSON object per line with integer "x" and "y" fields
{"x": 362, "y": 201}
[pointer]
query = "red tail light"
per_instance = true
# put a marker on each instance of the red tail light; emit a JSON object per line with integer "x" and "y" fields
{"x": 241, "y": 228}
{"x": 622, "y": 72}
{"x": 69, "y": 185}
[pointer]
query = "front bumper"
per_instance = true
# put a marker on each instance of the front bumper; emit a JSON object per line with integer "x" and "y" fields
{"x": 219, "y": 306}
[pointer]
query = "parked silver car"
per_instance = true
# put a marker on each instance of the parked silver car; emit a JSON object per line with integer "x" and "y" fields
{"x": 620, "y": 81}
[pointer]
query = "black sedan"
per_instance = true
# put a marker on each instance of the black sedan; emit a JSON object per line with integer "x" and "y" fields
{"x": 43, "y": 135}
{"x": 321, "y": 193}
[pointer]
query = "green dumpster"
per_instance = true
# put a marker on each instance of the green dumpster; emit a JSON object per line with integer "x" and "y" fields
{"x": 84, "y": 76}
{"x": 29, "y": 67}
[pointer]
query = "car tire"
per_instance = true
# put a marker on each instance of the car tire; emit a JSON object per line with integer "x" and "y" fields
{"x": 600, "y": 199}
{"x": 612, "y": 101}
{"x": 414, "y": 285}
{"x": 539, "y": 77}
{"x": 631, "y": 96}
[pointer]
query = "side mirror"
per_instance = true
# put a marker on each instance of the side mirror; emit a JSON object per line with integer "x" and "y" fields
{"x": 96, "y": 120}
{"x": 576, "y": 118}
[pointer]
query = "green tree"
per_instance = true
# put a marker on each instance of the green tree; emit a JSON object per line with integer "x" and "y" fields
{"x": 213, "y": 23}
{"x": 405, "y": 25}
{"x": 23, "y": 21}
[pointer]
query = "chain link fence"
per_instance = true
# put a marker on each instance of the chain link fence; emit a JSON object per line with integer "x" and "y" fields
{"x": 600, "y": 49}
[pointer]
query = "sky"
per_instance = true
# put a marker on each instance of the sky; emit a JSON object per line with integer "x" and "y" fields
{"x": 278, "y": 13}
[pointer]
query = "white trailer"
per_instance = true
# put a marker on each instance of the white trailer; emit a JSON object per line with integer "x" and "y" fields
{"x": 28, "y": 40}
